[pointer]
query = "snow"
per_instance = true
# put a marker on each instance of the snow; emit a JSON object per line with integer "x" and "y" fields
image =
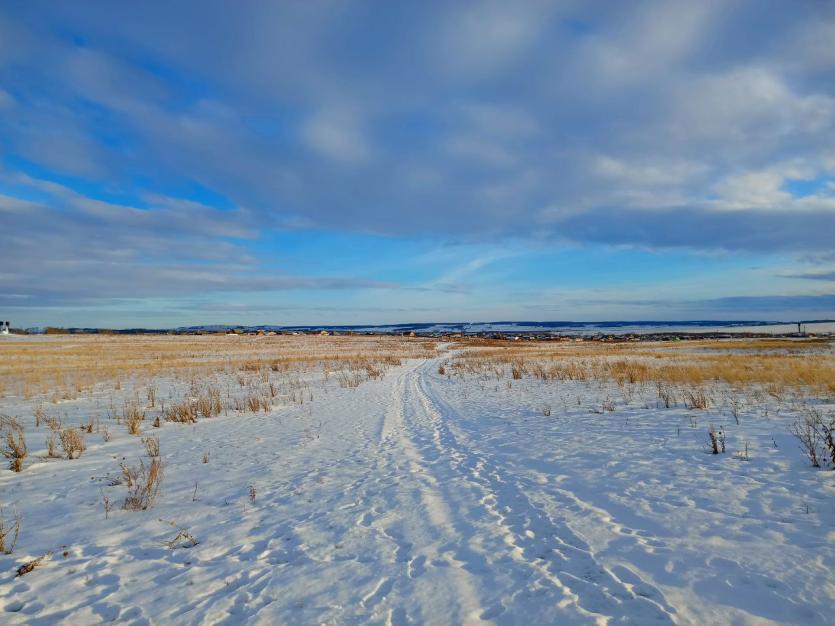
{"x": 426, "y": 499}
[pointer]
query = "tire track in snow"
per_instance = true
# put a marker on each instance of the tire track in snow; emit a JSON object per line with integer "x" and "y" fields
{"x": 428, "y": 587}
{"x": 537, "y": 540}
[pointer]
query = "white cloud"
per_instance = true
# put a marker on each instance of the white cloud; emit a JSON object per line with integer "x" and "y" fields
{"x": 648, "y": 173}
{"x": 751, "y": 104}
{"x": 653, "y": 39}
{"x": 765, "y": 189}
{"x": 480, "y": 39}
{"x": 336, "y": 136}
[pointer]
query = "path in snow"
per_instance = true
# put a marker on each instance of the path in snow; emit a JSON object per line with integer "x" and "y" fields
{"x": 383, "y": 504}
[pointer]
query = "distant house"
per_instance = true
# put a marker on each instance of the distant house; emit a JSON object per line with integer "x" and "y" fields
{"x": 5, "y": 327}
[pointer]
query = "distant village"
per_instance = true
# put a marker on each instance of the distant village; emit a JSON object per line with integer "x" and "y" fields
{"x": 494, "y": 335}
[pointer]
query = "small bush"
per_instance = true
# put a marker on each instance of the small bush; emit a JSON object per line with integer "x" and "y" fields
{"x": 516, "y": 371}
{"x": 816, "y": 436}
{"x": 13, "y": 444}
{"x": 133, "y": 418}
{"x": 72, "y": 441}
{"x": 666, "y": 394}
{"x": 208, "y": 404}
{"x": 151, "y": 444}
{"x": 40, "y": 415}
{"x": 143, "y": 483}
{"x": 9, "y": 531}
{"x": 696, "y": 399}
{"x": 183, "y": 413}
{"x": 54, "y": 424}
{"x": 255, "y": 402}
{"x": 52, "y": 447}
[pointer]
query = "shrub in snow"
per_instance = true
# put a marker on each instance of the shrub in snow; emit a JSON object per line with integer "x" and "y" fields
{"x": 133, "y": 418}
{"x": 816, "y": 435}
{"x": 13, "y": 443}
{"x": 143, "y": 482}
{"x": 9, "y": 531}
{"x": 72, "y": 441}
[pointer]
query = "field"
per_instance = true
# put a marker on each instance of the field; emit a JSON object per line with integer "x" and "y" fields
{"x": 392, "y": 480}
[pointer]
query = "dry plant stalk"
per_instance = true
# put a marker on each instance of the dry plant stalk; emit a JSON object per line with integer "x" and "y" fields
{"x": 183, "y": 539}
{"x": 52, "y": 447}
{"x": 31, "y": 565}
{"x": 151, "y": 443}
{"x": 40, "y": 415}
{"x": 143, "y": 483}
{"x": 108, "y": 505}
{"x": 9, "y": 531}
{"x": 133, "y": 417}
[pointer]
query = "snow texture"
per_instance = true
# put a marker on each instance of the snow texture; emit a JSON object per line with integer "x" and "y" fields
{"x": 423, "y": 499}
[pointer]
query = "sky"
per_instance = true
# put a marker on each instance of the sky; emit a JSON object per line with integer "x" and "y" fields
{"x": 177, "y": 163}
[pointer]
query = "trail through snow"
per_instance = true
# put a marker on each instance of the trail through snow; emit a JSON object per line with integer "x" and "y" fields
{"x": 419, "y": 500}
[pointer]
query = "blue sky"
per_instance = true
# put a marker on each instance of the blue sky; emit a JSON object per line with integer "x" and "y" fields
{"x": 179, "y": 163}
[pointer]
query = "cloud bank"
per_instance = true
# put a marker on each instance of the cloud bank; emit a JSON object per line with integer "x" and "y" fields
{"x": 157, "y": 141}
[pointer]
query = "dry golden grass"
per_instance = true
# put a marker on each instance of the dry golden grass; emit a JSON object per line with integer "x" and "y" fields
{"x": 777, "y": 364}
{"x": 183, "y": 413}
{"x": 61, "y": 367}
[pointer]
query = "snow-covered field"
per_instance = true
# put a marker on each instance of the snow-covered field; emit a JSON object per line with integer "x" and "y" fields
{"x": 421, "y": 497}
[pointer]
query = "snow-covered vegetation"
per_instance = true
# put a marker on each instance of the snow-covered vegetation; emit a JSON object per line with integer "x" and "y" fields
{"x": 308, "y": 479}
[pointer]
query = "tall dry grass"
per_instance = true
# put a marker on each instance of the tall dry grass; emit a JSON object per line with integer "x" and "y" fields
{"x": 774, "y": 364}
{"x": 62, "y": 367}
